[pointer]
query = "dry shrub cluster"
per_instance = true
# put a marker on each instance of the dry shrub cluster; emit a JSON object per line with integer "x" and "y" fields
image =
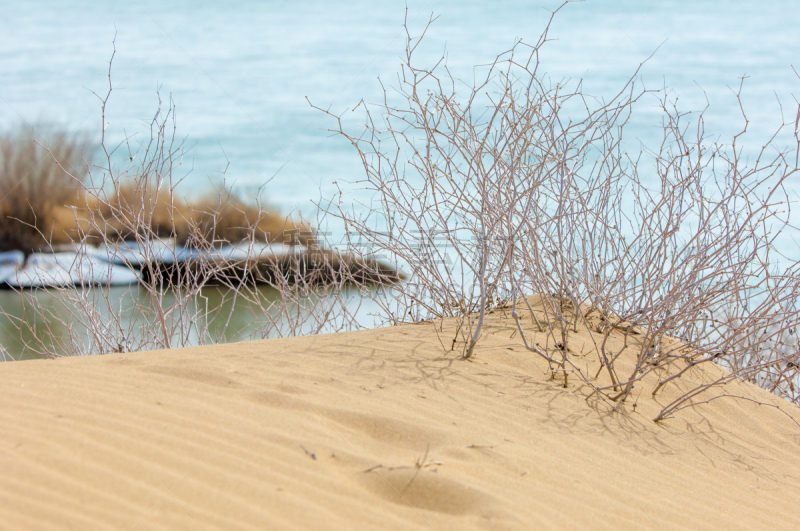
{"x": 518, "y": 185}
{"x": 34, "y": 186}
{"x": 45, "y": 200}
{"x": 217, "y": 218}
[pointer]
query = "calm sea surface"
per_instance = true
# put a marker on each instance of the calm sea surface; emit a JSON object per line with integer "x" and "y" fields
{"x": 239, "y": 72}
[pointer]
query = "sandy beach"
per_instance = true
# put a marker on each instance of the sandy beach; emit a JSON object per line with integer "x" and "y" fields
{"x": 379, "y": 429}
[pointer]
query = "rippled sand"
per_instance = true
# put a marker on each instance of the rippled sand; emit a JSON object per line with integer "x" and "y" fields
{"x": 378, "y": 429}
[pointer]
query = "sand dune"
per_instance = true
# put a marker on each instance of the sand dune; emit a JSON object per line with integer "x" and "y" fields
{"x": 378, "y": 429}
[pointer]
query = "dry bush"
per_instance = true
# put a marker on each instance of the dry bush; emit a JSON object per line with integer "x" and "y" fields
{"x": 215, "y": 219}
{"x": 44, "y": 201}
{"x": 138, "y": 205}
{"x": 226, "y": 218}
{"x": 516, "y": 185}
{"x": 39, "y": 174}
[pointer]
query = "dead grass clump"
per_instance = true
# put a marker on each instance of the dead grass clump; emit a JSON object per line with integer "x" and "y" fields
{"x": 36, "y": 183}
{"x": 44, "y": 201}
{"x": 137, "y": 209}
{"x": 216, "y": 219}
{"x": 42, "y": 205}
{"x": 228, "y": 219}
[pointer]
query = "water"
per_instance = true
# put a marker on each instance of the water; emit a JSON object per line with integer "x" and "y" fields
{"x": 239, "y": 73}
{"x": 37, "y": 323}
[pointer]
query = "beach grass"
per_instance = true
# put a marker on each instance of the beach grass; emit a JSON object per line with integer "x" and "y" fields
{"x": 45, "y": 200}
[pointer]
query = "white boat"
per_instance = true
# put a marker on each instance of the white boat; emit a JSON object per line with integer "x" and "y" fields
{"x": 10, "y": 263}
{"x": 43, "y": 270}
{"x": 119, "y": 264}
{"x": 137, "y": 254}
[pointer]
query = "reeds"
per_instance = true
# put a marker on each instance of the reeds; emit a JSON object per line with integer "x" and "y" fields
{"x": 217, "y": 218}
{"x": 35, "y": 188}
{"x": 44, "y": 201}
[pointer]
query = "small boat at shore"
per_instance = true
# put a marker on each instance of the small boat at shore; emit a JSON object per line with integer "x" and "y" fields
{"x": 10, "y": 263}
{"x": 130, "y": 262}
{"x": 137, "y": 254}
{"x": 43, "y": 270}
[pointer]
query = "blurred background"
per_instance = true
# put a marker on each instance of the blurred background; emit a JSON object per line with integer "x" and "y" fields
{"x": 239, "y": 72}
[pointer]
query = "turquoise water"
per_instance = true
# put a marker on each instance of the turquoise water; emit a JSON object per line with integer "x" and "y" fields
{"x": 239, "y": 72}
